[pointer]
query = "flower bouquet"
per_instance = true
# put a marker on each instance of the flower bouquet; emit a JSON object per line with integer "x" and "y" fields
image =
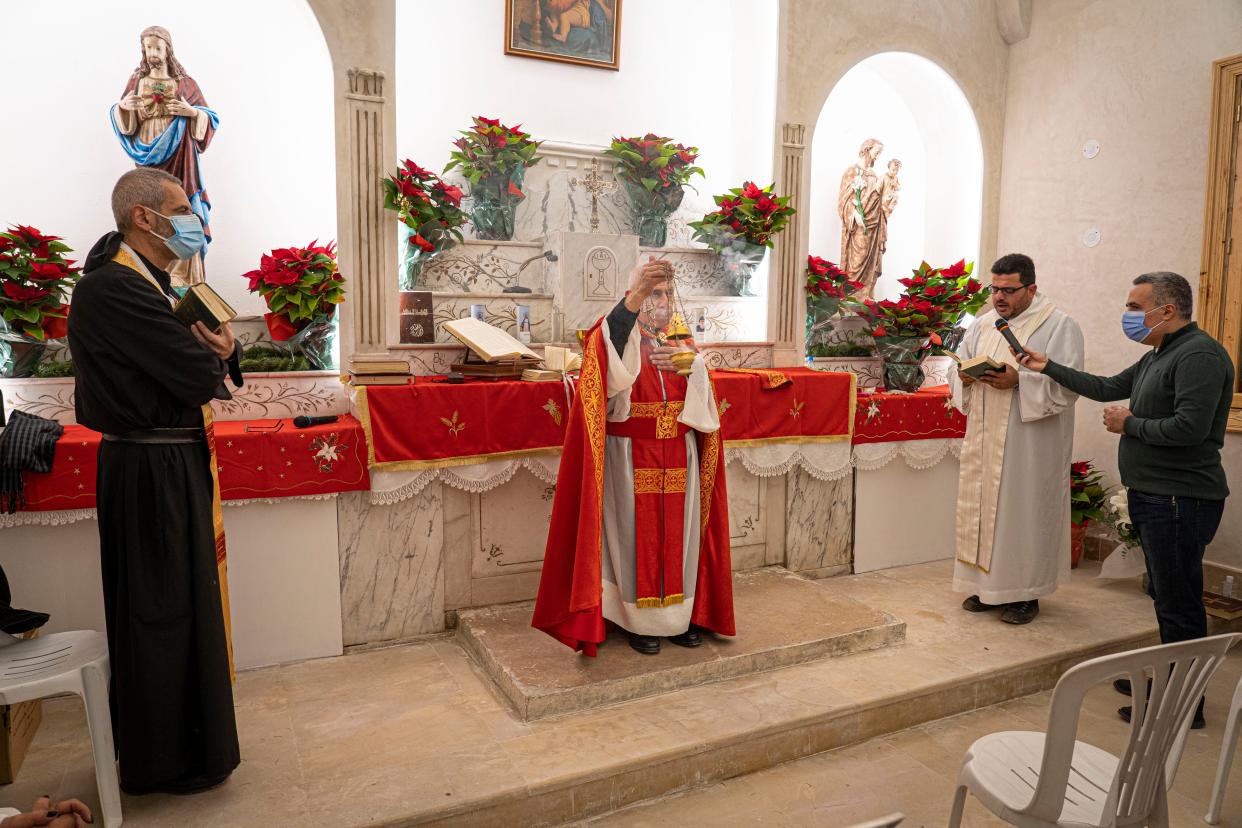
{"x": 655, "y": 172}
{"x": 741, "y": 229}
{"x": 904, "y": 330}
{"x": 34, "y": 279}
{"x": 1126, "y": 560}
{"x": 430, "y": 213}
{"x": 494, "y": 159}
{"x": 827, "y": 287}
{"x": 302, "y": 288}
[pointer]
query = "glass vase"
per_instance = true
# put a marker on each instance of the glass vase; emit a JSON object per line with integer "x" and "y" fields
{"x": 315, "y": 342}
{"x": 650, "y": 210}
{"x": 495, "y": 205}
{"x": 903, "y": 361}
{"x": 414, "y": 258}
{"x": 19, "y": 354}
{"x": 821, "y": 311}
{"x": 741, "y": 259}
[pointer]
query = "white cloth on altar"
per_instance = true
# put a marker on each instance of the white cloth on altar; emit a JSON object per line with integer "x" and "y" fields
{"x": 617, "y": 568}
{"x": 1013, "y": 540}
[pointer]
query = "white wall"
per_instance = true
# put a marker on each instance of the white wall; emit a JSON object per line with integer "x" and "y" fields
{"x": 923, "y": 119}
{"x": 1136, "y": 76}
{"x": 263, "y": 67}
{"x": 701, "y": 73}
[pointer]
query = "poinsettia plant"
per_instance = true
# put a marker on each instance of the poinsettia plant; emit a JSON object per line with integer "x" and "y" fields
{"x": 825, "y": 280}
{"x": 748, "y": 215}
{"x": 34, "y": 279}
{"x": 426, "y": 204}
{"x": 301, "y": 285}
{"x": 654, "y": 163}
{"x": 933, "y": 302}
{"x": 1087, "y": 495}
{"x": 490, "y": 152}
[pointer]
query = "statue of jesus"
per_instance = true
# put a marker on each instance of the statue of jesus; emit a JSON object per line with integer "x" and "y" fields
{"x": 163, "y": 121}
{"x": 864, "y": 216}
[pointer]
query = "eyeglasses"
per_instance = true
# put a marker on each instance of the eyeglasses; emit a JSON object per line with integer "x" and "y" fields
{"x": 1007, "y": 291}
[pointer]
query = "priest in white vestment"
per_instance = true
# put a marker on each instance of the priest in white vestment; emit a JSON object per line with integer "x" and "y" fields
{"x": 1013, "y": 508}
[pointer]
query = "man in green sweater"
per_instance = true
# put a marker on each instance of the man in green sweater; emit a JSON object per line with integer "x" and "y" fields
{"x": 1171, "y": 437}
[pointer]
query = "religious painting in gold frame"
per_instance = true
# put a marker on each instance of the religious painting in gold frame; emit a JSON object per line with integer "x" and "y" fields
{"x": 585, "y": 32}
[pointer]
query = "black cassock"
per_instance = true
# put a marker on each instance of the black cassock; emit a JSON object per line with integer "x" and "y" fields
{"x": 137, "y": 367}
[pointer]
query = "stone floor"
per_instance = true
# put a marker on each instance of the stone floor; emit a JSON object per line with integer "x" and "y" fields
{"x": 417, "y": 734}
{"x": 531, "y": 670}
{"x": 914, "y": 772}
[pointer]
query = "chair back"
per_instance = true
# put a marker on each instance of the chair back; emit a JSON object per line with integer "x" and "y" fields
{"x": 1158, "y": 726}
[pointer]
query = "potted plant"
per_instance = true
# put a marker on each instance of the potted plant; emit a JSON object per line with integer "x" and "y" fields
{"x": 1087, "y": 501}
{"x": 34, "y": 279}
{"x": 904, "y": 330}
{"x": 302, "y": 287}
{"x": 430, "y": 213}
{"x": 827, "y": 287}
{"x": 655, "y": 173}
{"x": 741, "y": 229}
{"x": 494, "y": 159}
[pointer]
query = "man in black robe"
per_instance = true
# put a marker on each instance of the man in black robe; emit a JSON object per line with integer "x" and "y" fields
{"x": 142, "y": 379}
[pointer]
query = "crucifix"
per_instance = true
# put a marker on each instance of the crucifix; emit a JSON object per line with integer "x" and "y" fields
{"x": 596, "y": 185}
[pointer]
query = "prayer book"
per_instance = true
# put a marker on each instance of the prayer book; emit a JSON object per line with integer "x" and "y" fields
{"x": 202, "y": 304}
{"x": 1222, "y": 607}
{"x": 976, "y": 366}
{"x": 560, "y": 359}
{"x": 490, "y": 343}
{"x": 380, "y": 379}
{"x": 379, "y": 365}
{"x": 541, "y": 375}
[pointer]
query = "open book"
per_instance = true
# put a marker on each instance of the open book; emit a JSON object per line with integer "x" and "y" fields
{"x": 489, "y": 342}
{"x": 976, "y": 366}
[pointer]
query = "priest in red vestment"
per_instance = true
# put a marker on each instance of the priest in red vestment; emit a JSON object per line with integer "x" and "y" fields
{"x": 640, "y": 523}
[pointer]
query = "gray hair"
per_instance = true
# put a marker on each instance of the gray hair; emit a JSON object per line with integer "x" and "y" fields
{"x": 1170, "y": 289}
{"x": 142, "y": 186}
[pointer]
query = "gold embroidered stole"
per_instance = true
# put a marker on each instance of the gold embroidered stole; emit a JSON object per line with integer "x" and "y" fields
{"x": 126, "y": 258}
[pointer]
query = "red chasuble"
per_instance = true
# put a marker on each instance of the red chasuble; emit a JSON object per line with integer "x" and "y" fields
{"x": 569, "y": 604}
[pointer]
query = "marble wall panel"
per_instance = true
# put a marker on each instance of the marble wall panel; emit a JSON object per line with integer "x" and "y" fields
{"x": 486, "y": 266}
{"x": 392, "y": 576}
{"x": 512, "y": 527}
{"x": 500, "y": 311}
{"x": 819, "y": 522}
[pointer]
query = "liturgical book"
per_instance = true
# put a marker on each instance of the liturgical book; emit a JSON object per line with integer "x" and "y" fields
{"x": 202, "y": 304}
{"x": 489, "y": 342}
{"x": 976, "y": 366}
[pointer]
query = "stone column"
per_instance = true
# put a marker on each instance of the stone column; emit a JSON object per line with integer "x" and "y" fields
{"x": 368, "y": 243}
{"x": 787, "y": 302}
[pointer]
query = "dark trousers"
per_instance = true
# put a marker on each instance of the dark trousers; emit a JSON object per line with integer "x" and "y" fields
{"x": 1174, "y": 532}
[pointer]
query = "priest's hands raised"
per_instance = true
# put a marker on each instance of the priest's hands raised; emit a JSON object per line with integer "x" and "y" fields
{"x": 651, "y": 274}
{"x": 222, "y": 343}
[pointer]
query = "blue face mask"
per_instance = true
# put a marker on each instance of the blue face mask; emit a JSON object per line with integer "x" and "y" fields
{"x": 1134, "y": 323}
{"x": 188, "y": 237}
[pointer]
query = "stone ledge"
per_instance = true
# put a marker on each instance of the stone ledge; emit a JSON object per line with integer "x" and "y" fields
{"x": 541, "y": 678}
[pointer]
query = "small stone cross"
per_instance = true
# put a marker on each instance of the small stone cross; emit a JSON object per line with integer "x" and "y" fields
{"x": 596, "y": 185}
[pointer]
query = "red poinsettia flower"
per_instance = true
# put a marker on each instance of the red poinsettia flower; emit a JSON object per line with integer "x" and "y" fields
{"x": 514, "y": 191}
{"x": 21, "y": 293}
{"x": 749, "y": 190}
{"x": 42, "y": 271}
{"x": 422, "y": 243}
{"x": 283, "y": 276}
{"x": 1080, "y": 468}
{"x": 32, "y": 235}
{"x": 935, "y": 339}
{"x": 765, "y": 205}
{"x": 879, "y": 330}
{"x": 935, "y": 290}
{"x": 973, "y": 287}
{"x": 450, "y": 193}
{"x": 489, "y": 121}
{"x": 56, "y": 327}
{"x": 6, "y": 243}
{"x": 955, "y": 270}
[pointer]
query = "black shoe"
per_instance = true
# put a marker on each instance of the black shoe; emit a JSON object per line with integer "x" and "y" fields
{"x": 183, "y": 786}
{"x": 1123, "y": 687}
{"x": 1020, "y": 612}
{"x": 1198, "y": 723}
{"x": 973, "y": 604}
{"x": 645, "y": 644}
{"x": 690, "y": 638}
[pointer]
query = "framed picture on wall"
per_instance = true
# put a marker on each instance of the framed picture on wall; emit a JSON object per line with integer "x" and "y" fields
{"x": 586, "y": 32}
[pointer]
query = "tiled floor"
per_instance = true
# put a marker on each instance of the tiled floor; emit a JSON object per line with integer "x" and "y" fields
{"x": 915, "y": 772}
{"x": 400, "y": 735}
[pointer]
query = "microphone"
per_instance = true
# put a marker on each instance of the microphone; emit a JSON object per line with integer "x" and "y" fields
{"x": 302, "y": 421}
{"x": 1003, "y": 327}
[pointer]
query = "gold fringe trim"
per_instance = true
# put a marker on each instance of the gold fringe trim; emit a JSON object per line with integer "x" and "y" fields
{"x": 679, "y": 598}
{"x": 793, "y": 438}
{"x": 660, "y": 603}
{"x": 451, "y": 462}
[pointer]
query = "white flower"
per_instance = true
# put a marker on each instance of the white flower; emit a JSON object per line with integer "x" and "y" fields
{"x": 859, "y": 182}
{"x": 1120, "y": 504}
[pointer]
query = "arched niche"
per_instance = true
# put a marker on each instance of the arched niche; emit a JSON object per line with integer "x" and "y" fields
{"x": 264, "y": 67}
{"x": 923, "y": 118}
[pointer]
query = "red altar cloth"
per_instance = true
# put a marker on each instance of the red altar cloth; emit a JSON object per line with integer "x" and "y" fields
{"x": 924, "y": 415}
{"x": 256, "y": 461}
{"x": 432, "y": 424}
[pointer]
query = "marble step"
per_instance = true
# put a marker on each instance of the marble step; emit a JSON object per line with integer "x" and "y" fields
{"x": 539, "y": 677}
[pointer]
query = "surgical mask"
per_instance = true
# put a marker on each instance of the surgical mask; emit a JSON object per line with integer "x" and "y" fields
{"x": 188, "y": 237}
{"x": 1134, "y": 323}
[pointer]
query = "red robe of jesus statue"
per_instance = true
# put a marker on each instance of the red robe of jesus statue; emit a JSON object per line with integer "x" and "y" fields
{"x": 640, "y": 525}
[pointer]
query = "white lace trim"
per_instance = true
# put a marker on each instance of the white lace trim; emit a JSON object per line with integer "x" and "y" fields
{"x": 823, "y": 461}
{"x": 67, "y": 516}
{"x": 918, "y": 454}
{"x": 388, "y": 487}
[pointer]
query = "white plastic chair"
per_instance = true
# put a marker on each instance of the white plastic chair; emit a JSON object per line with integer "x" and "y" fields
{"x": 68, "y": 662}
{"x": 890, "y": 821}
{"x": 1037, "y": 780}
{"x": 1227, "y": 747}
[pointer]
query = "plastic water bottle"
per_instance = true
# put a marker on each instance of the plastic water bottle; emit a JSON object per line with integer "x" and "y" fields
{"x": 1227, "y": 588}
